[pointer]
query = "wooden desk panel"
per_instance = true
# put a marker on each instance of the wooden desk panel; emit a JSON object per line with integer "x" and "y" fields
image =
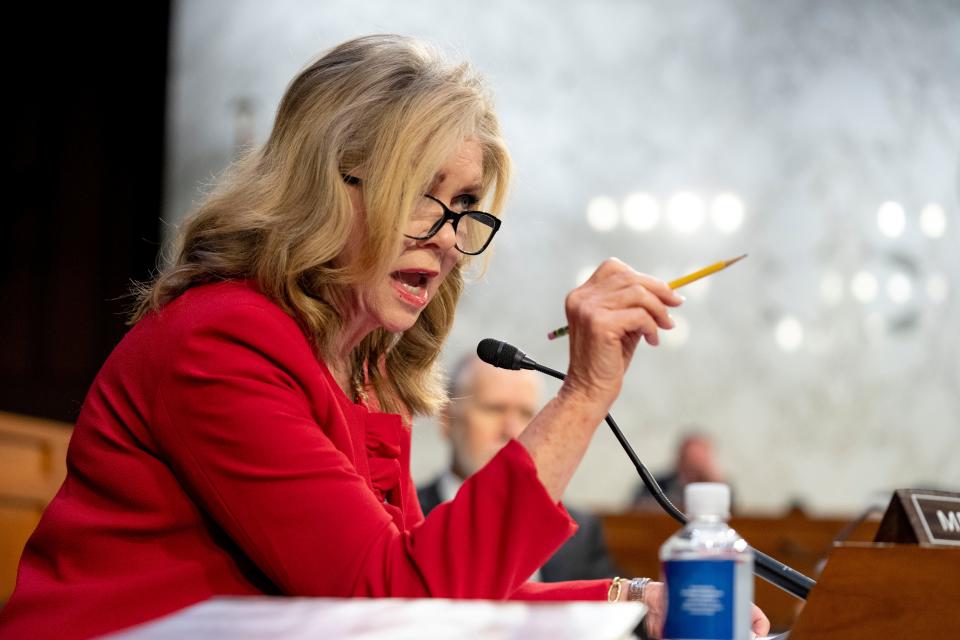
{"x": 871, "y": 591}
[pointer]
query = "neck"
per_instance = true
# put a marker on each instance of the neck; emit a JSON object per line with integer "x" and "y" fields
{"x": 457, "y": 470}
{"x": 340, "y": 359}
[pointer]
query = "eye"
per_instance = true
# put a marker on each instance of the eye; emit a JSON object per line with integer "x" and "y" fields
{"x": 464, "y": 202}
{"x": 493, "y": 408}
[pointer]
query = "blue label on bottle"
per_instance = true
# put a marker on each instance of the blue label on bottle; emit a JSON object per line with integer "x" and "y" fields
{"x": 700, "y": 603}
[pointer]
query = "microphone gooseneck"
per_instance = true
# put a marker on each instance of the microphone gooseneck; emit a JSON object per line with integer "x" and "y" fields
{"x": 506, "y": 356}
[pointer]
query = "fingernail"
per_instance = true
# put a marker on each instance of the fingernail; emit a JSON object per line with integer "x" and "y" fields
{"x": 682, "y": 298}
{"x": 673, "y": 322}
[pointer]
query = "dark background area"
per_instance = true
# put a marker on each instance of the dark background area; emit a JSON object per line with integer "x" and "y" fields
{"x": 85, "y": 156}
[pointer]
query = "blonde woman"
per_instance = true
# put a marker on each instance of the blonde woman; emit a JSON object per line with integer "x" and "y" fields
{"x": 250, "y": 435}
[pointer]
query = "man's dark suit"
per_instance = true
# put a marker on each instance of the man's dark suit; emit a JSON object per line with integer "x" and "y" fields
{"x": 582, "y": 557}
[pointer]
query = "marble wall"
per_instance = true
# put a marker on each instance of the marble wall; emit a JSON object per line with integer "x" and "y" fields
{"x": 827, "y": 364}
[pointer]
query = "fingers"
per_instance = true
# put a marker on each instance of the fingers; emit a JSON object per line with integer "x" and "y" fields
{"x": 638, "y": 295}
{"x": 638, "y": 322}
{"x": 615, "y": 287}
{"x": 758, "y": 622}
{"x": 662, "y": 290}
{"x": 615, "y": 274}
{"x": 654, "y": 599}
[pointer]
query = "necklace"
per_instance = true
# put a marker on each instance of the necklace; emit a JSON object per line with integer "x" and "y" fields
{"x": 357, "y": 386}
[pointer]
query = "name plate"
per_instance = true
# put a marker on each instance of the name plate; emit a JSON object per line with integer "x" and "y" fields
{"x": 922, "y": 516}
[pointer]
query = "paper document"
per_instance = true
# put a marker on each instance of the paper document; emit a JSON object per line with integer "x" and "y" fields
{"x": 391, "y": 619}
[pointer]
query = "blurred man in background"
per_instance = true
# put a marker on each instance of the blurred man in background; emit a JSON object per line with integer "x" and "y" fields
{"x": 488, "y": 407}
{"x": 696, "y": 462}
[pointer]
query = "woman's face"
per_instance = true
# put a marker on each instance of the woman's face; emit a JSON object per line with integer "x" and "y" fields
{"x": 395, "y": 302}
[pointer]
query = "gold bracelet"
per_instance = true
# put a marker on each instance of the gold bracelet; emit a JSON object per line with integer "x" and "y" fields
{"x": 614, "y": 593}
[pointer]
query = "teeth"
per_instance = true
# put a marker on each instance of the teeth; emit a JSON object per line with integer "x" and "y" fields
{"x": 412, "y": 289}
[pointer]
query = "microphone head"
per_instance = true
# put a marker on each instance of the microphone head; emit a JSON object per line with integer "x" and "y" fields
{"x": 500, "y": 354}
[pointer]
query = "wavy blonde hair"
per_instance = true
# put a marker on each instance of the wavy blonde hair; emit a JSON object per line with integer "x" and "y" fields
{"x": 392, "y": 109}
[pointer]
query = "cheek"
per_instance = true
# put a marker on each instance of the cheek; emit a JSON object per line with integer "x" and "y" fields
{"x": 446, "y": 266}
{"x": 485, "y": 433}
{"x": 358, "y": 231}
{"x": 449, "y": 262}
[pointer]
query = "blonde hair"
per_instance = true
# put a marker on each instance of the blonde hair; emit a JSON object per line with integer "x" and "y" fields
{"x": 387, "y": 106}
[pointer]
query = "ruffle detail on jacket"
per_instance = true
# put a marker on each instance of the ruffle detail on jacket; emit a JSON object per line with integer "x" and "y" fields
{"x": 384, "y": 439}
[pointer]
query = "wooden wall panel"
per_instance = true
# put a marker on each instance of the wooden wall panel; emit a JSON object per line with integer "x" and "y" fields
{"x": 33, "y": 455}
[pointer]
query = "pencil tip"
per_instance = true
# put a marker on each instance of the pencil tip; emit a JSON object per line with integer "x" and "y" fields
{"x": 737, "y": 259}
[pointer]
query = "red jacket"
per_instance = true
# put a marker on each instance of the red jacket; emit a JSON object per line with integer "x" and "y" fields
{"x": 215, "y": 455}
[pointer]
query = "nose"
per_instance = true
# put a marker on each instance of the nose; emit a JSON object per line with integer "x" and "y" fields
{"x": 444, "y": 239}
{"x": 512, "y": 426}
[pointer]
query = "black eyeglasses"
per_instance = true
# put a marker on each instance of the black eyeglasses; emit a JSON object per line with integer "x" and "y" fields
{"x": 474, "y": 229}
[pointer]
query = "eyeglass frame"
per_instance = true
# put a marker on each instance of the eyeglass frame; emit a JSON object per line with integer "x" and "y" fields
{"x": 448, "y": 214}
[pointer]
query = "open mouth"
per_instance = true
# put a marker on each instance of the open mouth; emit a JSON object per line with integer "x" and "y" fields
{"x": 412, "y": 285}
{"x": 414, "y": 282}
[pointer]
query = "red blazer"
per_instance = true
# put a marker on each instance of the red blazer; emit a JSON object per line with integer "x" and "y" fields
{"x": 215, "y": 455}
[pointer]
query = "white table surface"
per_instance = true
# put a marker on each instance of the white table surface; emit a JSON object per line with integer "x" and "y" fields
{"x": 391, "y": 619}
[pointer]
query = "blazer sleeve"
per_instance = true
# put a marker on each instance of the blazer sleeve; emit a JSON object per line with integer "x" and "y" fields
{"x": 238, "y": 428}
{"x": 573, "y": 590}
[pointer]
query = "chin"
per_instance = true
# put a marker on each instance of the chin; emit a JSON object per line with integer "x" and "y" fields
{"x": 399, "y": 321}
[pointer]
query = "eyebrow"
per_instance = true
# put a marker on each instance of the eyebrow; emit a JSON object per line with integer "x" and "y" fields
{"x": 476, "y": 186}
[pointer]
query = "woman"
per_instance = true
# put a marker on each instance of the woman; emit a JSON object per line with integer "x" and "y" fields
{"x": 234, "y": 443}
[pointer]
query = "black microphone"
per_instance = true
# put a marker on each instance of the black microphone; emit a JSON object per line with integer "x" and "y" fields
{"x": 506, "y": 356}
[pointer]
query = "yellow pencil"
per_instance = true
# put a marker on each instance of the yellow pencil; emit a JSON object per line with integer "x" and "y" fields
{"x": 675, "y": 284}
